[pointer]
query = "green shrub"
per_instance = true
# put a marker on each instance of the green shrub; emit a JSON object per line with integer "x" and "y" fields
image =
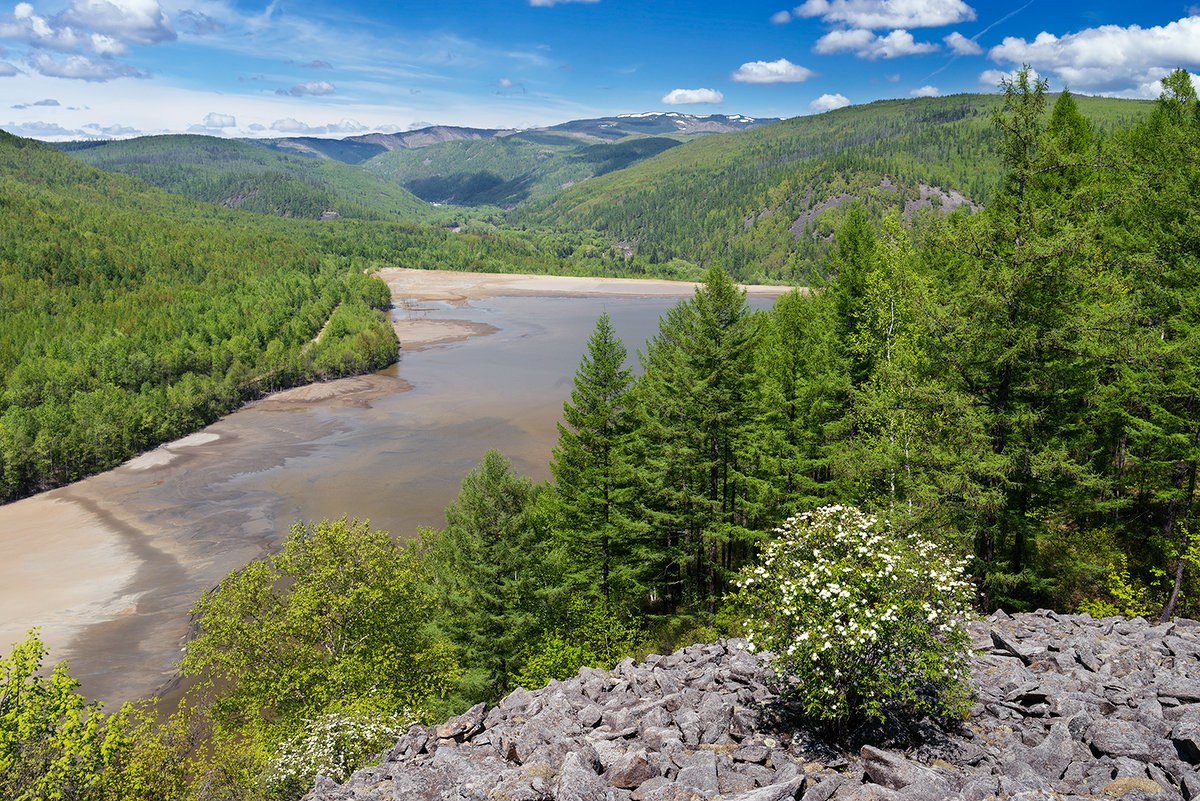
{"x": 335, "y": 744}
{"x": 860, "y": 624}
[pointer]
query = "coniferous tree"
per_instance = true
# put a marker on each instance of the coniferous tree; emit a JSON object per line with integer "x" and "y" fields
{"x": 1017, "y": 331}
{"x": 489, "y": 567}
{"x": 591, "y": 469}
{"x": 696, "y": 405}
{"x": 1153, "y": 389}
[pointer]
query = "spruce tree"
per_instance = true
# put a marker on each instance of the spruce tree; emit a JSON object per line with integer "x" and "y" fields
{"x": 590, "y": 466}
{"x": 696, "y": 417}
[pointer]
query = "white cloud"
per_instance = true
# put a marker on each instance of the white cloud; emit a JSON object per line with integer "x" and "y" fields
{"x": 49, "y": 101}
{"x": 875, "y": 14}
{"x": 293, "y": 125}
{"x": 781, "y": 17}
{"x": 925, "y": 91}
{"x": 892, "y": 77}
{"x": 781, "y": 71}
{"x": 198, "y": 24}
{"x": 82, "y": 68}
{"x": 1109, "y": 59}
{"x": 215, "y": 120}
{"x": 37, "y": 129}
{"x": 129, "y": 21}
{"x": 865, "y": 44}
{"x": 829, "y": 103}
{"x": 961, "y": 45}
{"x": 8, "y": 70}
{"x": 312, "y": 88}
{"x": 677, "y": 97}
{"x": 504, "y": 83}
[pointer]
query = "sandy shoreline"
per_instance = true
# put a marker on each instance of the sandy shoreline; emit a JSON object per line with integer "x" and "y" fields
{"x": 108, "y": 567}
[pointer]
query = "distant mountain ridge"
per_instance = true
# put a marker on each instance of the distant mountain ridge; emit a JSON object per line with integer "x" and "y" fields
{"x": 359, "y": 148}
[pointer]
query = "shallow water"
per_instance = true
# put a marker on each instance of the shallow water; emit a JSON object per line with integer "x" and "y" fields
{"x": 109, "y": 567}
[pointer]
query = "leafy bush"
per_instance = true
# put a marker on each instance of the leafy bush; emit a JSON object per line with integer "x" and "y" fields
{"x": 335, "y": 744}
{"x": 594, "y": 634}
{"x": 860, "y": 624}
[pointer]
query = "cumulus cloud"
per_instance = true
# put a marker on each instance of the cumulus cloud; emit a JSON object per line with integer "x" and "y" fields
{"x": 781, "y": 17}
{"x": 829, "y": 103}
{"x": 1109, "y": 59}
{"x": 293, "y": 125}
{"x": 105, "y": 27}
{"x": 865, "y": 44}
{"x": 925, "y": 91}
{"x": 49, "y": 101}
{"x": 128, "y": 21}
{"x": 8, "y": 70}
{"x": 110, "y": 130}
{"x": 781, "y": 71}
{"x": 45, "y": 130}
{"x": 678, "y": 97}
{"x": 82, "y": 68}
{"x": 199, "y": 24}
{"x": 961, "y": 45}
{"x": 875, "y": 14}
{"x": 311, "y": 88}
{"x": 215, "y": 120}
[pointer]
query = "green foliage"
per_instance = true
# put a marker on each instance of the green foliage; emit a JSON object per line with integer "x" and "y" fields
{"x": 764, "y": 203}
{"x": 595, "y": 481}
{"x": 490, "y": 572}
{"x": 248, "y": 176}
{"x": 860, "y": 623}
{"x": 593, "y": 635}
{"x": 335, "y": 744}
{"x": 337, "y": 618}
{"x": 55, "y": 744}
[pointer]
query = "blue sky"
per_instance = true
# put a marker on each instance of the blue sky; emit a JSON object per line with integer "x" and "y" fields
{"x": 105, "y": 68}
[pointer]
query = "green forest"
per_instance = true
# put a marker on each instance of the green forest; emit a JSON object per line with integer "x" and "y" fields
{"x": 1015, "y": 385}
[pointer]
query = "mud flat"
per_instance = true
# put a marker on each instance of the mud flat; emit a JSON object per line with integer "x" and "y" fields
{"x": 108, "y": 567}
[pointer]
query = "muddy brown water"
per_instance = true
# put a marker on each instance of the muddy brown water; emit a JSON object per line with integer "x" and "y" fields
{"x": 109, "y": 567}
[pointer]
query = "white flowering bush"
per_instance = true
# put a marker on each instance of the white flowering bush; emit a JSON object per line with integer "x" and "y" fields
{"x": 860, "y": 624}
{"x": 336, "y": 744}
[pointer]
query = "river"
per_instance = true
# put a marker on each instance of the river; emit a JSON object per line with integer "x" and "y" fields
{"x": 108, "y": 567}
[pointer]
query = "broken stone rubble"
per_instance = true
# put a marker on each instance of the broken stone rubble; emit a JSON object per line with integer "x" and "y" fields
{"x": 1068, "y": 707}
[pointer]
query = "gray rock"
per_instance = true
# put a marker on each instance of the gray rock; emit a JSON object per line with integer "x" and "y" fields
{"x": 1120, "y": 738}
{"x": 699, "y": 774}
{"x": 895, "y": 772}
{"x": 632, "y": 770}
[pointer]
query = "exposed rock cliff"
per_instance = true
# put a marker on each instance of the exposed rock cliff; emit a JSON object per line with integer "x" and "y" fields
{"x": 1068, "y": 707}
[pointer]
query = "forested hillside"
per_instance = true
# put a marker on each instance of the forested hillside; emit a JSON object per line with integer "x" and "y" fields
{"x": 133, "y": 316}
{"x": 246, "y": 176}
{"x": 509, "y": 170}
{"x": 763, "y": 203}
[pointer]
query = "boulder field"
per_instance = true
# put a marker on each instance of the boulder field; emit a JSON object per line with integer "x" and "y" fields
{"x": 1067, "y": 707}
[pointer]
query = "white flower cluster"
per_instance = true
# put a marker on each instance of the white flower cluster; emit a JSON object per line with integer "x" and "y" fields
{"x": 862, "y": 621}
{"x": 336, "y": 744}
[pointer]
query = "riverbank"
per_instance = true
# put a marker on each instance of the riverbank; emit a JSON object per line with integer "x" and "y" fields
{"x": 108, "y": 567}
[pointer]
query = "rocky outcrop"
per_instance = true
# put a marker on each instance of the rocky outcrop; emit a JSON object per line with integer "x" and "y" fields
{"x": 1068, "y": 707}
